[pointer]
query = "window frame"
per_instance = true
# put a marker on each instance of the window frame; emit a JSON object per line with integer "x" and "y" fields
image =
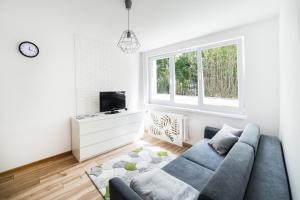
{"x": 239, "y": 42}
{"x": 151, "y": 77}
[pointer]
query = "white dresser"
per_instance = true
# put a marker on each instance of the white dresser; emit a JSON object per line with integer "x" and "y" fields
{"x": 95, "y": 135}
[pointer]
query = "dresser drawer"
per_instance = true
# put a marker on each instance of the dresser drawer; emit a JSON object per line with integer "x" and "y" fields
{"x": 108, "y": 134}
{"x": 104, "y": 124}
{"x": 96, "y": 149}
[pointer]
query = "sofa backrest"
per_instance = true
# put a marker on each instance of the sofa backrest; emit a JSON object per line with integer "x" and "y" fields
{"x": 268, "y": 179}
{"x": 251, "y": 135}
{"x": 231, "y": 178}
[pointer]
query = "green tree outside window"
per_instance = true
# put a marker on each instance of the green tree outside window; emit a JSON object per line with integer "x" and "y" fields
{"x": 186, "y": 74}
{"x": 220, "y": 72}
{"x": 163, "y": 76}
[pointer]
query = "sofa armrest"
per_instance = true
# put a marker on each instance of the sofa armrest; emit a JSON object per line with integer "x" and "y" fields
{"x": 120, "y": 191}
{"x": 210, "y": 132}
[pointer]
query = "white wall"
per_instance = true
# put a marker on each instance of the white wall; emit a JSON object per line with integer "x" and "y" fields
{"x": 37, "y": 96}
{"x": 103, "y": 67}
{"x": 261, "y": 78}
{"x": 289, "y": 90}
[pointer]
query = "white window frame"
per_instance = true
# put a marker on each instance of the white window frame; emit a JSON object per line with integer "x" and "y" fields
{"x": 201, "y": 107}
{"x": 151, "y": 78}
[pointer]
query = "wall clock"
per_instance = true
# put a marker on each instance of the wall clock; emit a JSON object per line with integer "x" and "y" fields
{"x": 28, "y": 49}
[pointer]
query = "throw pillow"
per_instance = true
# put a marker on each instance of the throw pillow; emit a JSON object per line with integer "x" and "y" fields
{"x": 235, "y": 131}
{"x": 223, "y": 141}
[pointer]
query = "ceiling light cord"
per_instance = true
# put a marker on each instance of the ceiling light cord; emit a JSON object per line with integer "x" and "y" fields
{"x": 128, "y": 19}
{"x": 128, "y": 42}
{"x": 128, "y": 4}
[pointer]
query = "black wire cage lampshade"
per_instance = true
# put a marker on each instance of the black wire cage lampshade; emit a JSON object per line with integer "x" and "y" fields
{"x": 128, "y": 42}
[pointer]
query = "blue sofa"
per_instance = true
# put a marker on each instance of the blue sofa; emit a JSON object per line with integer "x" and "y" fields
{"x": 253, "y": 169}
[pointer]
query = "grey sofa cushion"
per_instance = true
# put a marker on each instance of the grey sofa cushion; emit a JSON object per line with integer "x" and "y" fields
{"x": 159, "y": 185}
{"x": 189, "y": 172}
{"x": 223, "y": 141}
{"x": 203, "y": 154}
{"x": 268, "y": 179}
{"x": 231, "y": 178}
{"x": 251, "y": 135}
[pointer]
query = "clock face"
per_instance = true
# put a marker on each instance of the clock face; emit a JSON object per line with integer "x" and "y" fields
{"x": 28, "y": 49}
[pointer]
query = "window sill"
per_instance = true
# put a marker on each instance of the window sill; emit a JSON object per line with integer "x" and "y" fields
{"x": 206, "y": 112}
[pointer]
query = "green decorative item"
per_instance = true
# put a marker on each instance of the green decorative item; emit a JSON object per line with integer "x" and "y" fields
{"x": 107, "y": 194}
{"x": 162, "y": 153}
{"x": 138, "y": 150}
{"x": 130, "y": 166}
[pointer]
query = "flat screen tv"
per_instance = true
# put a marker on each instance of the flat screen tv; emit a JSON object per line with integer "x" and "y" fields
{"x": 112, "y": 101}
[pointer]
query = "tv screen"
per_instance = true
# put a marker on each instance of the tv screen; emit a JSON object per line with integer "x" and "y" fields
{"x": 110, "y": 101}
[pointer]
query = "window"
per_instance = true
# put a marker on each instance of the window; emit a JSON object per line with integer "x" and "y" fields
{"x": 163, "y": 76}
{"x": 220, "y": 79}
{"x": 186, "y": 78}
{"x": 207, "y": 77}
{"x": 161, "y": 79}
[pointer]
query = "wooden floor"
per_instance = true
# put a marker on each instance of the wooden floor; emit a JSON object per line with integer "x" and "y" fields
{"x": 62, "y": 177}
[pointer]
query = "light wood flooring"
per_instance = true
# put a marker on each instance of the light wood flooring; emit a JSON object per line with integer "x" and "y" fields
{"x": 62, "y": 177}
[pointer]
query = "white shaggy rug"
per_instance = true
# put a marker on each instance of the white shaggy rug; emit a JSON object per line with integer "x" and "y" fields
{"x": 139, "y": 160}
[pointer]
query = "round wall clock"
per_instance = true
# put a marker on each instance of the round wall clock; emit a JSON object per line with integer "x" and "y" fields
{"x": 28, "y": 49}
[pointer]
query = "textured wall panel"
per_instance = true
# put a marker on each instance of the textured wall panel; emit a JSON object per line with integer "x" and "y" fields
{"x": 103, "y": 67}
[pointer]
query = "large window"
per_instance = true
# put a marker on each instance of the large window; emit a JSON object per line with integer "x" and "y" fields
{"x": 208, "y": 77}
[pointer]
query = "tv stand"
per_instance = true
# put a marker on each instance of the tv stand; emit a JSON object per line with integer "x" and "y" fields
{"x": 95, "y": 135}
{"x": 112, "y": 112}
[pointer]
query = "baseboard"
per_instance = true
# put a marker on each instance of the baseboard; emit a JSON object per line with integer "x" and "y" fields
{"x": 185, "y": 144}
{"x": 14, "y": 170}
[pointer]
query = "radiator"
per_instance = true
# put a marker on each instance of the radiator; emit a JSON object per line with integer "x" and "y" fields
{"x": 169, "y": 127}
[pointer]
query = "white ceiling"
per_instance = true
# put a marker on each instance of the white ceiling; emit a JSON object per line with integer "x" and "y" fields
{"x": 156, "y": 22}
{"x": 161, "y": 22}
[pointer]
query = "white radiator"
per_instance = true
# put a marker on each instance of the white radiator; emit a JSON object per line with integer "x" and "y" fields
{"x": 169, "y": 127}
